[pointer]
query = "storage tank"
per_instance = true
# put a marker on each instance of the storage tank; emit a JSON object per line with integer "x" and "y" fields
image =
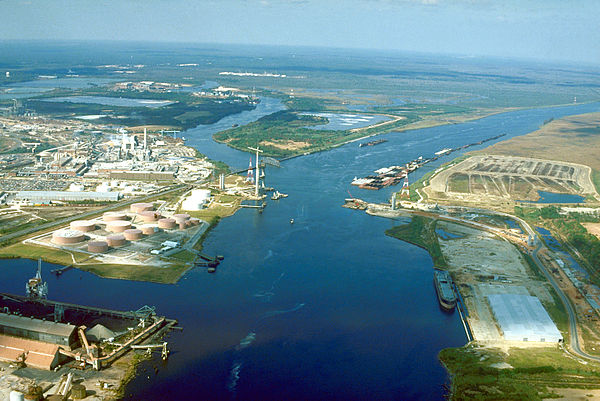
{"x": 16, "y": 396}
{"x": 141, "y": 207}
{"x": 112, "y": 216}
{"x": 149, "y": 216}
{"x": 182, "y": 225}
{"x": 116, "y": 240}
{"x": 83, "y": 225}
{"x": 132, "y": 234}
{"x": 148, "y": 230}
{"x": 118, "y": 226}
{"x": 97, "y": 246}
{"x": 78, "y": 391}
{"x": 181, "y": 217}
{"x": 166, "y": 223}
{"x": 67, "y": 236}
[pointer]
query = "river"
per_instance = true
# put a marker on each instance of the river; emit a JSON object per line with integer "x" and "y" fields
{"x": 326, "y": 308}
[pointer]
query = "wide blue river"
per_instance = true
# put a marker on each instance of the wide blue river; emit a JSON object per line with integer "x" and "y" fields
{"x": 326, "y": 308}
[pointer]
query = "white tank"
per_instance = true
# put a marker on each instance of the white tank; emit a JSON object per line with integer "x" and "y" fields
{"x": 16, "y": 396}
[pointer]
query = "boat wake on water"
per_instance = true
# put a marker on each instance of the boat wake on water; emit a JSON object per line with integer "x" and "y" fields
{"x": 246, "y": 341}
{"x": 236, "y": 367}
{"x": 266, "y": 295}
{"x": 280, "y": 312}
{"x": 234, "y": 376}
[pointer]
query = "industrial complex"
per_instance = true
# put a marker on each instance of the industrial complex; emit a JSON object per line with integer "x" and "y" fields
{"x": 65, "y": 339}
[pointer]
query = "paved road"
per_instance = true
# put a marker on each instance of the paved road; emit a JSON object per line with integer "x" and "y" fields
{"x": 65, "y": 220}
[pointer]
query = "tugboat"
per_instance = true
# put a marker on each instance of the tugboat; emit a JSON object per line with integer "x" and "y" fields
{"x": 278, "y": 195}
{"x": 443, "y": 287}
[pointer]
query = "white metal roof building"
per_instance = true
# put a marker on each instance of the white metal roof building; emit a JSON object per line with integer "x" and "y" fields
{"x": 523, "y": 318}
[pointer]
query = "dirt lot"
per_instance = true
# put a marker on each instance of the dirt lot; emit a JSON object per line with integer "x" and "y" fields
{"x": 509, "y": 178}
{"x": 572, "y": 139}
{"x": 592, "y": 228}
{"x": 575, "y": 394}
{"x": 483, "y": 264}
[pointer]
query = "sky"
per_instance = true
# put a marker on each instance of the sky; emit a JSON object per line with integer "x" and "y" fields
{"x": 557, "y": 30}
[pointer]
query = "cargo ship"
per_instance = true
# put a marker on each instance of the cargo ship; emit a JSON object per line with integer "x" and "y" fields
{"x": 443, "y": 287}
{"x": 372, "y": 143}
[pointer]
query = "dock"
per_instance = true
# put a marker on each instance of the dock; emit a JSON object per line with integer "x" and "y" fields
{"x": 392, "y": 175}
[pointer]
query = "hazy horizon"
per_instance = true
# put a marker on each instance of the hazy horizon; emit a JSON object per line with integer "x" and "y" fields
{"x": 550, "y": 30}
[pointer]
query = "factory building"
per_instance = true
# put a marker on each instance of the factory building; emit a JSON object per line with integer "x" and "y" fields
{"x": 36, "y": 196}
{"x": 61, "y": 334}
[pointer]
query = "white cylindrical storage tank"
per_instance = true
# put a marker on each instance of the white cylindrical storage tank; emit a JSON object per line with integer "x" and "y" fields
{"x": 118, "y": 226}
{"x": 132, "y": 234}
{"x": 112, "y": 216}
{"x": 149, "y": 215}
{"x": 166, "y": 223}
{"x": 200, "y": 194}
{"x": 141, "y": 207}
{"x": 83, "y": 225}
{"x": 181, "y": 217}
{"x": 16, "y": 396}
{"x": 97, "y": 246}
{"x": 148, "y": 230}
{"x": 66, "y": 236}
{"x": 115, "y": 240}
{"x": 76, "y": 187}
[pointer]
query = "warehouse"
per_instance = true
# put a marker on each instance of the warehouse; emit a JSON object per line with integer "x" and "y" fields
{"x": 523, "y": 318}
{"x": 35, "y": 196}
{"x": 61, "y": 334}
{"x": 35, "y": 354}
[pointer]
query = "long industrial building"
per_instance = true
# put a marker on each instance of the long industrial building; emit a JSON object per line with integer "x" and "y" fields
{"x": 33, "y": 341}
{"x": 41, "y": 196}
{"x": 40, "y": 330}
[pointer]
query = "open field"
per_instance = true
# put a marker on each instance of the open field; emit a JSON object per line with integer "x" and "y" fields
{"x": 572, "y": 139}
{"x": 485, "y": 373}
{"x": 510, "y": 178}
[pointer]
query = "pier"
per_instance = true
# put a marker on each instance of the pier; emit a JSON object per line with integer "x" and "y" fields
{"x": 389, "y": 176}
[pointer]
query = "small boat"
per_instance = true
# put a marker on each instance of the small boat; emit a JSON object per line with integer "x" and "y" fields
{"x": 278, "y": 195}
{"x": 291, "y": 221}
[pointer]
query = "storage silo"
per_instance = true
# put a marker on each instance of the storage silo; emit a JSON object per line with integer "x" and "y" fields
{"x": 133, "y": 234}
{"x": 181, "y": 217}
{"x": 149, "y": 230}
{"x": 166, "y": 223}
{"x": 112, "y": 216}
{"x": 118, "y": 226}
{"x": 116, "y": 240}
{"x": 67, "y": 236}
{"x": 83, "y": 225}
{"x": 97, "y": 246}
{"x": 141, "y": 207}
{"x": 149, "y": 216}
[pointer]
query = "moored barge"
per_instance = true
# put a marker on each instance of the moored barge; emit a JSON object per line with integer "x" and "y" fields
{"x": 444, "y": 289}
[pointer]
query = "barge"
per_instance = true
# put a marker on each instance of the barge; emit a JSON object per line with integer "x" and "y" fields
{"x": 444, "y": 289}
{"x": 392, "y": 175}
{"x": 372, "y": 143}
